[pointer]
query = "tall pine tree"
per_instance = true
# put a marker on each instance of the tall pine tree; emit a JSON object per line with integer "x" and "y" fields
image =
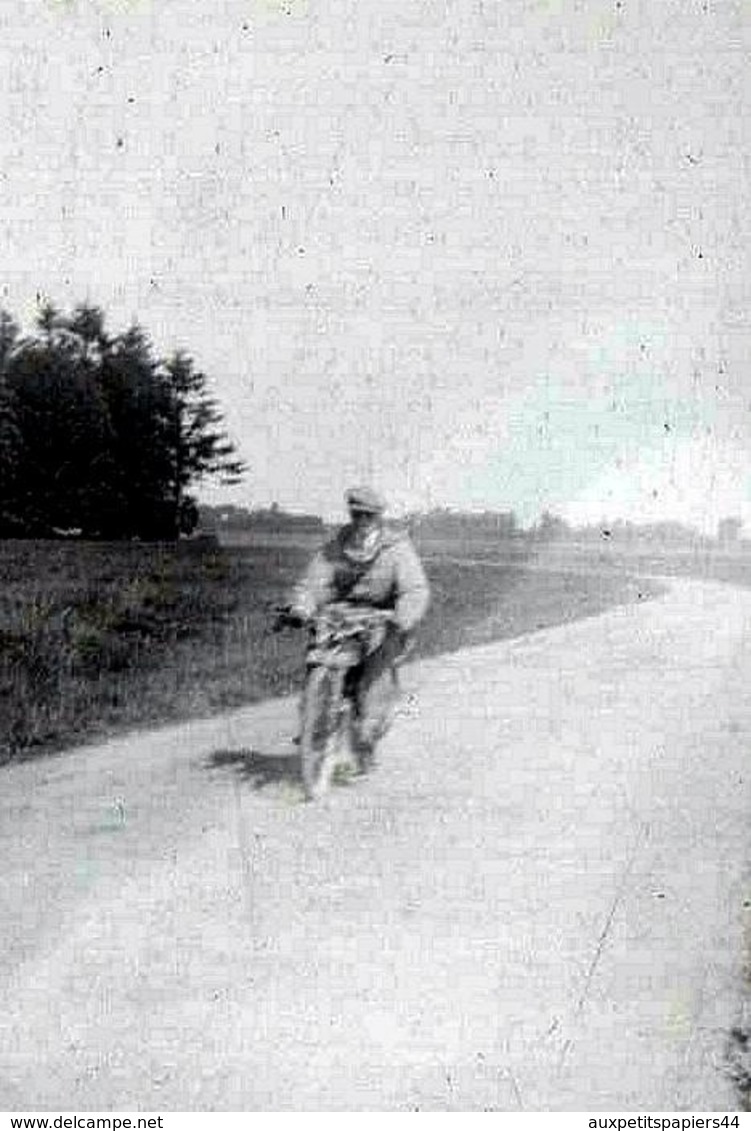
{"x": 197, "y": 444}
{"x": 97, "y": 434}
{"x": 10, "y": 433}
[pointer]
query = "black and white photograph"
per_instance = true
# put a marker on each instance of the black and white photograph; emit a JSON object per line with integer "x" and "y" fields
{"x": 375, "y": 558}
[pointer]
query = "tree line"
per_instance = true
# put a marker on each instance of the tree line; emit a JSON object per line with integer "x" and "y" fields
{"x": 101, "y": 436}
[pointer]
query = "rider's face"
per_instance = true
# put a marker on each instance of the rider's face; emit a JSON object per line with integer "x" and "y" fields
{"x": 363, "y": 521}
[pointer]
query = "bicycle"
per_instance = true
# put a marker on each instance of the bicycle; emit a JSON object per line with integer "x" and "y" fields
{"x": 341, "y": 636}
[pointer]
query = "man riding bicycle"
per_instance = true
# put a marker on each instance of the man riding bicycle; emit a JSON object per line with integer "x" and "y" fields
{"x": 369, "y": 566}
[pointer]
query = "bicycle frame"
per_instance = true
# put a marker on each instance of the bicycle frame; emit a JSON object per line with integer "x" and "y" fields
{"x": 341, "y": 637}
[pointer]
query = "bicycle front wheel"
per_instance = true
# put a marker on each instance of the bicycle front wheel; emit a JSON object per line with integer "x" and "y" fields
{"x": 320, "y": 725}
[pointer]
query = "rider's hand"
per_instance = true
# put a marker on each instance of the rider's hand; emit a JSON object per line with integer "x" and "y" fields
{"x": 290, "y": 615}
{"x": 297, "y": 616}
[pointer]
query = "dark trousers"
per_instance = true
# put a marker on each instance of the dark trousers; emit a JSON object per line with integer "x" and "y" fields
{"x": 375, "y": 687}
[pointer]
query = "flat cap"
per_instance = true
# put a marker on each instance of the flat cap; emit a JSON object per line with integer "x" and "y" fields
{"x": 365, "y": 499}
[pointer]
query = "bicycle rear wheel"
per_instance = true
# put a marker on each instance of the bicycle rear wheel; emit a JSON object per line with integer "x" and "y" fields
{"x": 320, "y": 725}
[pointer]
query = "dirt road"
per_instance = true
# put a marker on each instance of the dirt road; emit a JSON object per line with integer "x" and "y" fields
{"x": 537, "y": 902}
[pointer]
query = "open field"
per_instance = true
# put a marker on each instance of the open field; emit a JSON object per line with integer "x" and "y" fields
{"x": 703, "y": 561}
{"x": 96, "y": 638}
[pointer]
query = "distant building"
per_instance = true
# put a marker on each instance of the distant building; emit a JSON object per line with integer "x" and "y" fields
{"x": 729, "y": 531}
{"x": 266, "y": 519}
{"x": 444, "y": 524}
{"x": 619, "y": 532}
{"x": 551, "y": 527}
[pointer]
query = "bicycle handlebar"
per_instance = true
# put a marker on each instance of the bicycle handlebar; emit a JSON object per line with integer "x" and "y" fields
{"x": 358, "y": 616}
{"x": 365, "y": 613}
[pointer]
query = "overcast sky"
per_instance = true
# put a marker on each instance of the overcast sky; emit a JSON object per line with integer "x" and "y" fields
{"x": 487, "y": 253}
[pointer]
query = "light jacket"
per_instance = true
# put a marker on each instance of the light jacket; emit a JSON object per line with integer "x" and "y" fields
{"x": 393, "y": 579}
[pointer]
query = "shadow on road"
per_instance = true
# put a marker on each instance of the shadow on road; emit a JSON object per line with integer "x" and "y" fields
{"x": 256, "y": 767}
